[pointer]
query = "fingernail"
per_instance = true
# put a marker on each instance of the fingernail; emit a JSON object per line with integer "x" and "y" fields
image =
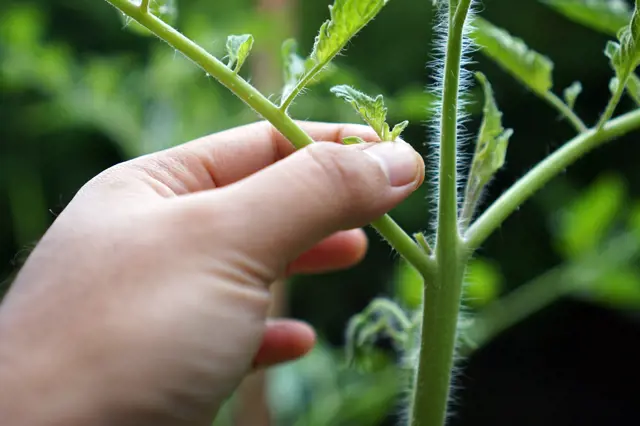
{"x": 401, "y": 163}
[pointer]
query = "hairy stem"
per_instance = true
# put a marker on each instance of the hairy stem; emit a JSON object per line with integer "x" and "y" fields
{"x": 308, "y": 77}
{"x": 442, "y": 295}
{"x": 396, "y": 237}
{"x": 613, "y": 103}
{"x": 542, "y": 173}
{"x": 567, "y": 112}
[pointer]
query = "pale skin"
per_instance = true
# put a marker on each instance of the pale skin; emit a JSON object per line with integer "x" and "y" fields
{"x": 146, "y": 301}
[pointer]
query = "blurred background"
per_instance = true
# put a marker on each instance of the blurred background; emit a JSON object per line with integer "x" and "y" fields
{"x": 80, "y": 91}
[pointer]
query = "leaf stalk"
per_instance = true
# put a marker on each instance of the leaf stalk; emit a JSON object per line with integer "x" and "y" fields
{"x": 543, "y": 172}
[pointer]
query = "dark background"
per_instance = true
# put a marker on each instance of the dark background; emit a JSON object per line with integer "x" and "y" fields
{"x": 78, "y": 93}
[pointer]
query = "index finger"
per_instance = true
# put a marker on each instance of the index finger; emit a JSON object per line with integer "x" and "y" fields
{"x": 224, "y": 158}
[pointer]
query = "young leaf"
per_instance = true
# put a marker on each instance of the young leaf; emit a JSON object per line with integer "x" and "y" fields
{"x": 352, "y": 140}
{"x": 625, "y": 55}
{"x": 238, "y": 49}
{"x": 372, "y": 110}
{"x": 571, "y": 94}
{"x": 348, "y": 17}
{"x": 607, "y": 16}
{"x": 526, "y": 65}
{"x": 491, "y": 150}
{"x": 493, "y": 139}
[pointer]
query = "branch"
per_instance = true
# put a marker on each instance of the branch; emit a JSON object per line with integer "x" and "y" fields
{"x": 546, "y": 170}
{"x": 567, "y": 112}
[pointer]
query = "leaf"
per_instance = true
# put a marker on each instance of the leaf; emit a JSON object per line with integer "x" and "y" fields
{"x": 372, "y": 110}
{"x": 625, "y": 55}
{"x": 493, "y": 139}
{"x": 587, "y": 220}
{"x": 398, "y": 129}
{"x": 238, "y": 49}
{"x": 531, "y": 68}
{"x": 352, "y": 140}
{"x": 607, "y": 16}
{"x": 348, "y": 17}
{"x": 571, "y": 94}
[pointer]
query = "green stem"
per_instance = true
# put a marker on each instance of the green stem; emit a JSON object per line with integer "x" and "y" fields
{"x": 396, "y": 237}
{"x": 567, "y": 112}
{"x": 306, "y": 79}
{"x": 613, "y": 103}
{"x": 442, "y": 296}
{"x": 518, "y": 305}
{"x": 542, "y": 173}
{"x": 144, "y": 6}
{"x": 544, "y": 290}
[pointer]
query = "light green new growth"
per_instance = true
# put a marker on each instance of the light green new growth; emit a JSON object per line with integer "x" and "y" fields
{"x": 625, "y": 58}
{"x": 491, "y": 150}
{"x": 348, "y": 17}
{"x": 238, "y": 49}
{"x": 529, "y": 67}
{"x": 571, "y": 94}
{"x": 373, "y": 112}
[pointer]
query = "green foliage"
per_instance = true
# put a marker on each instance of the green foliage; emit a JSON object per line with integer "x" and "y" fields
{"x": 493, "y": 139}
{"x": 409, "y": 285}
{"x": 571, "y": 94}
{"x": 373, "y": 112}
{"x": 625, "y": 54}
{"x": 348, "y": 17}
{"x": 382, "y": 318}
{"x": 607, "y": 16}
{"x": 490, "y": 153}
{"x": 586, "y": 221}
{"x": 238, "y": 49}
{"x": 483, "y": 283}
{"x": 529, "y": 67}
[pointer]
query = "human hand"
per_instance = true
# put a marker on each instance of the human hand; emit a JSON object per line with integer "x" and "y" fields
{"x": 146, "y": 301}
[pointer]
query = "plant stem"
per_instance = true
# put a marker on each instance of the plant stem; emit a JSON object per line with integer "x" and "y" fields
{"x": 613, "y": 103}
{"x": 543, "y": 172}
{"x": 442, "y": 296}
{"x": 405, "y": 245}
{"x": 306, "y": 79}
{"x": 567, "y": 112}
{"x": 552, "y": 285}
{"x": 144, "y": 6}
{"x": 393, "y": 233}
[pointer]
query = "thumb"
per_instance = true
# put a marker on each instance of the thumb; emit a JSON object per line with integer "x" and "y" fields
{"x": 285, "y": 209}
